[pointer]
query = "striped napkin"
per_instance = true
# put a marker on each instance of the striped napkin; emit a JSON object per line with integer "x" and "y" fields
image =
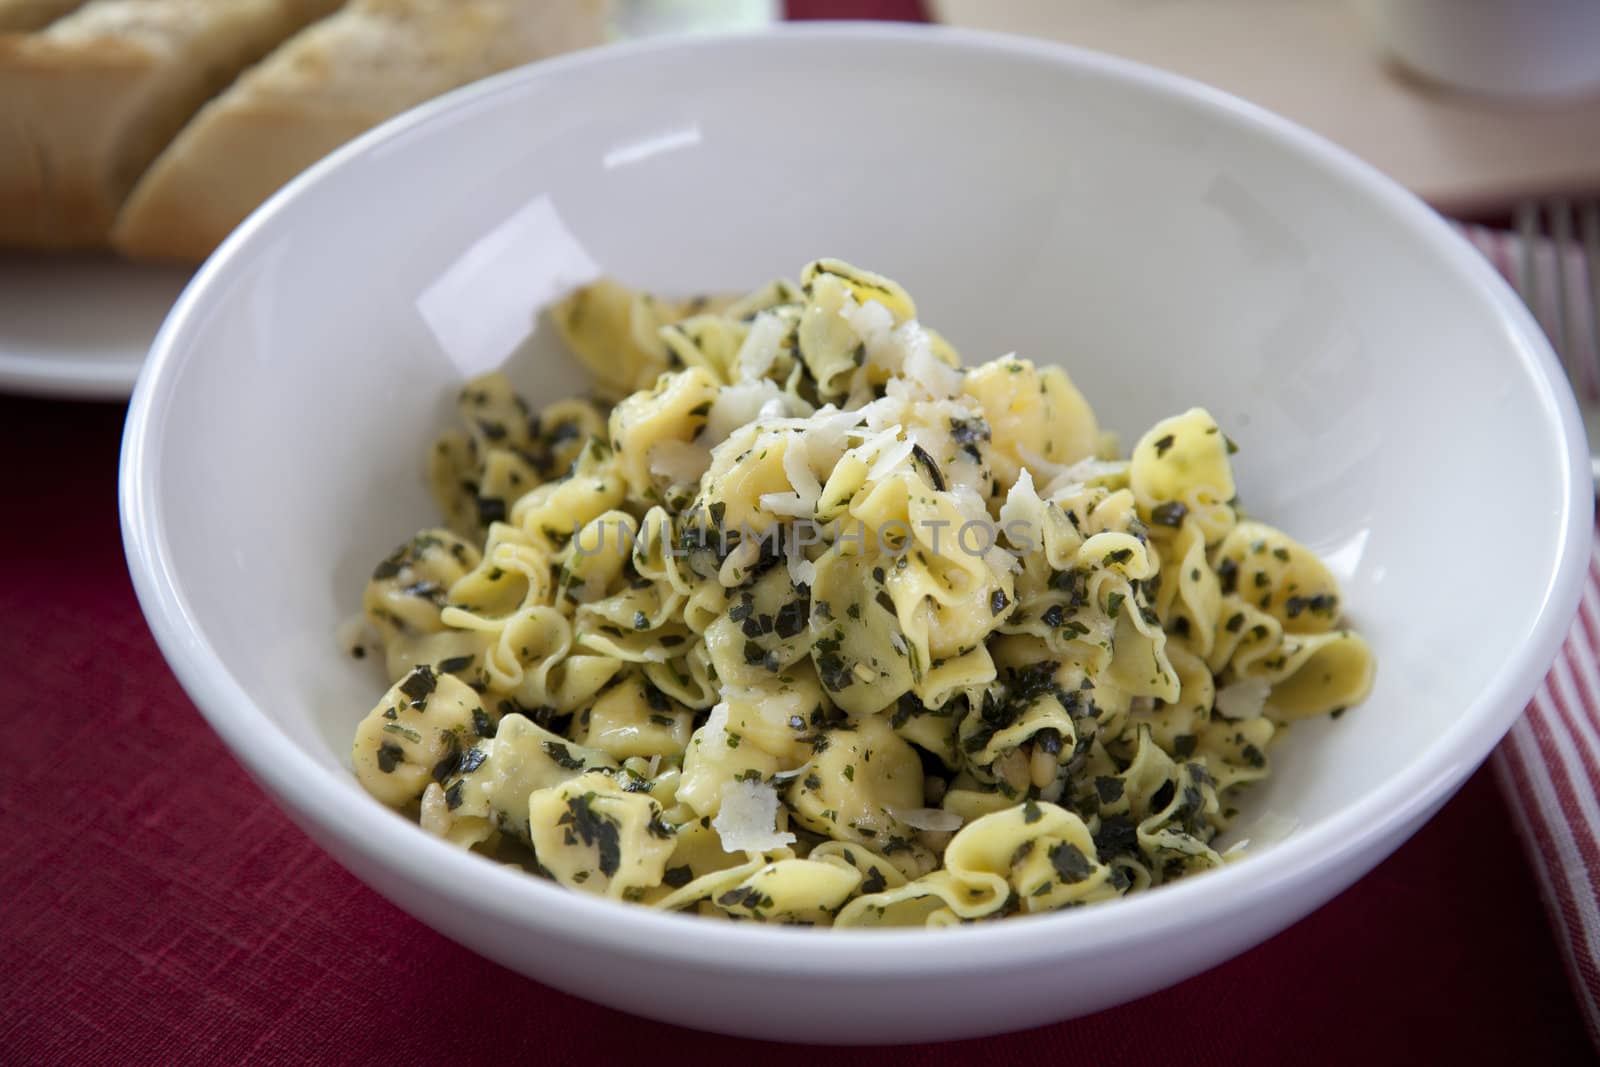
{"x": 1548, "y": 766}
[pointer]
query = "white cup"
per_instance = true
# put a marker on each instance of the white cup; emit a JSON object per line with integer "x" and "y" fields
{"x": 1494, "y": 47}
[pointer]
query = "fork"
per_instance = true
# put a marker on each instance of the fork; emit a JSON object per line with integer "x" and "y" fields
{"x": 1572, "y": 322}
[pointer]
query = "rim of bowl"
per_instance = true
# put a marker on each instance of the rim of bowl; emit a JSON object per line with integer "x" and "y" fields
{"x": 319, "y": 795}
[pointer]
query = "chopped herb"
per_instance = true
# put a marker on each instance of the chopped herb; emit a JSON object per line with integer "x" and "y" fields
{"x": 1170, "y": 513}
{"x": 562, "y": 756}
{"x": 481, "y": 724}
{"x": 1069, "y": 862}
{"x": 491, "y": 509}
{"x": 1108, "y": 788}
{"x": 447, "y": 766}
{"x": 1228, "y": 574}
{"x": 1117, "y": 835}
{"x": 677, "y": 877}
{"x": 390, "y": 755}
{"x": 1321, "y": 604}
{"x": 1163, "y": 444}
{"x": 454, "y": 664}
{"x": 791, "y": 619}
{"x": 418, "y": 684}
{"x": 1031, "y": 812}
{"x": 595, "y": 829}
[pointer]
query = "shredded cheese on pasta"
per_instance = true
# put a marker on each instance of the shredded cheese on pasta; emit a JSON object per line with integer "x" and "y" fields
{"x": 810, "y": 624}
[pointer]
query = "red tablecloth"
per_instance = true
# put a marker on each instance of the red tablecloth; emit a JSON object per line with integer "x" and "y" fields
{"x": 155, "y": 907}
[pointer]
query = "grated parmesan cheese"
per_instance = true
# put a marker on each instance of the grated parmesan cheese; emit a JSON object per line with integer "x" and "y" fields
{"x": 679, "y": 462}
{"x": 801, "y": 570}
{"x": 930, "y": 819}
{"x": 940, "y": 380}
{"x": 892, "y": 453}
{"x": 760, "y": 348}
{"x": 748, "y": 820}
{"x": 435, "y": 816}
{"x": 735, "y": 407}
{"x": 1244, "y": 699}
{"x": 1069, "y": 480}
{"x": 873, "y": 324}
{"x": 1022, "y": 502}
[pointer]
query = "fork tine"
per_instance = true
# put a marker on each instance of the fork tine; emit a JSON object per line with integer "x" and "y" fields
{"x": 1562, "y": 244}
{"x": 1527, "y": 220}
{"x": 1589, "y": 222}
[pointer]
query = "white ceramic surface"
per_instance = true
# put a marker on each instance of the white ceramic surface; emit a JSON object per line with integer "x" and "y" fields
{"x": 1397, "y": 409}
{"x": 1510, "y": 48}
{"x": 80, "y": 326}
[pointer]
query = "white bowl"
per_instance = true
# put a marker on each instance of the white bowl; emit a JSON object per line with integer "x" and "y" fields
{"x": 1397, "y": 409}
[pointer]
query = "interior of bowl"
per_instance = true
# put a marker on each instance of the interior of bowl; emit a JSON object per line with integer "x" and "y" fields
{"x": 1168, "y": 247}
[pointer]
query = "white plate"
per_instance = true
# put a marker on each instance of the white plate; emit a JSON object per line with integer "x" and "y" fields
{"x": 78, "y": 327}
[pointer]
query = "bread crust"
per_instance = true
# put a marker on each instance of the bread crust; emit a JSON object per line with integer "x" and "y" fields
{"x": 337, "y": 79}
{"x": 88, "y": 102}
{"x": 22, "y": 16}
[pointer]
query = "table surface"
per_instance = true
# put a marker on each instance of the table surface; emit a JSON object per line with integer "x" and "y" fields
{"x": 1316, "y": 62}
{"x": 156, "y": 907}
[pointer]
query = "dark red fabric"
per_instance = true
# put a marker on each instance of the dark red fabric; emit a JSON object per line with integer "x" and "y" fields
{"x": 887, "y": 10}
{"x": 156, "y": 908}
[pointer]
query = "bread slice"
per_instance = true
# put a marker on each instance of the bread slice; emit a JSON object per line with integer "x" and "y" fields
{"x": 87, "y": 102}
{"x": 21, "y": 16}
{"x": 371, "y": 61}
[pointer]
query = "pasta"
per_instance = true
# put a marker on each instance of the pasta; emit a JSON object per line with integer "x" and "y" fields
{"x": 801, "y": 622}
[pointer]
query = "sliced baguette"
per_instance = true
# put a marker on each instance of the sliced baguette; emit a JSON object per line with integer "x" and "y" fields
{"x": 21, "y": 16}
{"x": 371, "y": 61}
{"x": 89, "y": 101}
